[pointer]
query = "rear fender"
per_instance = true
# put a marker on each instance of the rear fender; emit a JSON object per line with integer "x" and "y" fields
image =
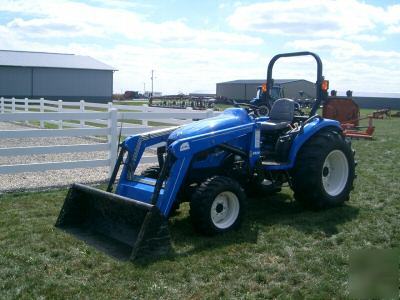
{"x": 309, "y": 131}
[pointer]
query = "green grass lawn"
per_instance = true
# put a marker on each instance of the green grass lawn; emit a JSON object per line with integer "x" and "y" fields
{"x": 131, "y": 102}
{"x": 281, "y": 250}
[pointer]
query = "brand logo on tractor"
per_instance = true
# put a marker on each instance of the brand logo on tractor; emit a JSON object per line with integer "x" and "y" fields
{"x": 184, "y": 147}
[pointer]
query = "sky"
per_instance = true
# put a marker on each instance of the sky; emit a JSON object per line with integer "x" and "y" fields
{"x": 192, "y": 45}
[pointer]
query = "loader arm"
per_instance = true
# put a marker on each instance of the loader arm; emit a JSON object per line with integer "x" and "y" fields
{"x": 136, "y": 145}
{"x": 185, "y": 149}
{"x": 179, "y": 156}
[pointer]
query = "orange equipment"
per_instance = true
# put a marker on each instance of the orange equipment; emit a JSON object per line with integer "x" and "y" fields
{"x": 354, "y": 131}
{"x": 347, "y": 112}
{"x": 344, "y": 110}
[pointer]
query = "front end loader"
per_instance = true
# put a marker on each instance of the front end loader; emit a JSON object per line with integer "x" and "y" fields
{"x": 213, "y": 164}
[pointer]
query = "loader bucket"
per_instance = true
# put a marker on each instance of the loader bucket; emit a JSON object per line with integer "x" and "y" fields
{"x": 121, "y": 227}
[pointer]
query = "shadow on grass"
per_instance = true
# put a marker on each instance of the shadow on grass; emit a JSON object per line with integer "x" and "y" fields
{"x": 279, "y": 209}
{"x": 282, "y": 209}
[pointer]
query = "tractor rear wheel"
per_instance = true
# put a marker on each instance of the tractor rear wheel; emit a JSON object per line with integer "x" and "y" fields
{"x": 324, "y": 171}
{"x": 217, "y": 205}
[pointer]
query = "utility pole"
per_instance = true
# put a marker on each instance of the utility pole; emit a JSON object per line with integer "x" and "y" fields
{"x": 152, "y": 79}
{"x": 144, "y": 88}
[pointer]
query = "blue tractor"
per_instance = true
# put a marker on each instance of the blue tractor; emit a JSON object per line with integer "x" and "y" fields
{"x": 263, "y": 99}
{"x": 213, "y": 164}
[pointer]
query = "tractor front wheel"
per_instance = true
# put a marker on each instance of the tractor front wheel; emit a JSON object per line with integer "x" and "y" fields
{"x": 324, "y": 171}
{"x": 151, "y": 172}
{"x": 217, "y": 205}
{"x": 154, "y": 172}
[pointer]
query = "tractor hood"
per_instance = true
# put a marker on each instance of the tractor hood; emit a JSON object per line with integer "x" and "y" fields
{"x": 231, "y": 117}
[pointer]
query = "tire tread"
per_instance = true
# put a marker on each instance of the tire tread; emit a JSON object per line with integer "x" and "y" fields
{"x": 202, "y": 198}
{"x": 305, "y": 176}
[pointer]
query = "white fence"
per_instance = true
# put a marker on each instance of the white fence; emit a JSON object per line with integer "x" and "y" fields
{"x": 41, "y": 105}
{"x": 82, "y": 119}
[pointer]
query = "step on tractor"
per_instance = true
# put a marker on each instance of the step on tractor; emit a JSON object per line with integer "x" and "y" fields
{"x": 213, "y": 164}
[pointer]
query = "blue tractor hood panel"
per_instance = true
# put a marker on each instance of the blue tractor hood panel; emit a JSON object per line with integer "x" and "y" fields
{"x": 231, "y": 117}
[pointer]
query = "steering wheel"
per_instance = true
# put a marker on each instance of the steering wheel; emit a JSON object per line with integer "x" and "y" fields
{"x": 249, "y": 107}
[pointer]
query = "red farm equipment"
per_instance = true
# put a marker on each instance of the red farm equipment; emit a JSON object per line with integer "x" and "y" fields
{"x": 347, "y": 112}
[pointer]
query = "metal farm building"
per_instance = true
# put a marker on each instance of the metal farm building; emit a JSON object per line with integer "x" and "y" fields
{"x": 54, "y": 76}
{"x": 247, "y": 89}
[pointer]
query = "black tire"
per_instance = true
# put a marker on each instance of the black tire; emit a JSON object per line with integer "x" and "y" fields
{"x": 308, "y": 173}
{"x": 154, "y": 172}
{"x": 203, "y": 199}
{"x": 264, "y": 110}
{"x": 151, "y": 172}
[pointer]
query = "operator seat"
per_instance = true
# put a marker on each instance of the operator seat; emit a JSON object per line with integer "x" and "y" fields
{"x": 280, "y": 116}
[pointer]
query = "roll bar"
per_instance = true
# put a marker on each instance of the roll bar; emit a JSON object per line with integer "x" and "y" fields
{"x": 319, "y": 92}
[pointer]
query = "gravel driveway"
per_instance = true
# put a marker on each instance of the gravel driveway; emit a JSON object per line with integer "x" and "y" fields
{"x": 49, "y": 179}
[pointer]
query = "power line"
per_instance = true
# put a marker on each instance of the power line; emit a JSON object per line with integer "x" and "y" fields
{"x": 152, "y": 79}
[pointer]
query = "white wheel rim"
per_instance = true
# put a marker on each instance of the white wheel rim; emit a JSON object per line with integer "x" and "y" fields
{"x": 335, "y": 172}
{"x": 225, "y": 210}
